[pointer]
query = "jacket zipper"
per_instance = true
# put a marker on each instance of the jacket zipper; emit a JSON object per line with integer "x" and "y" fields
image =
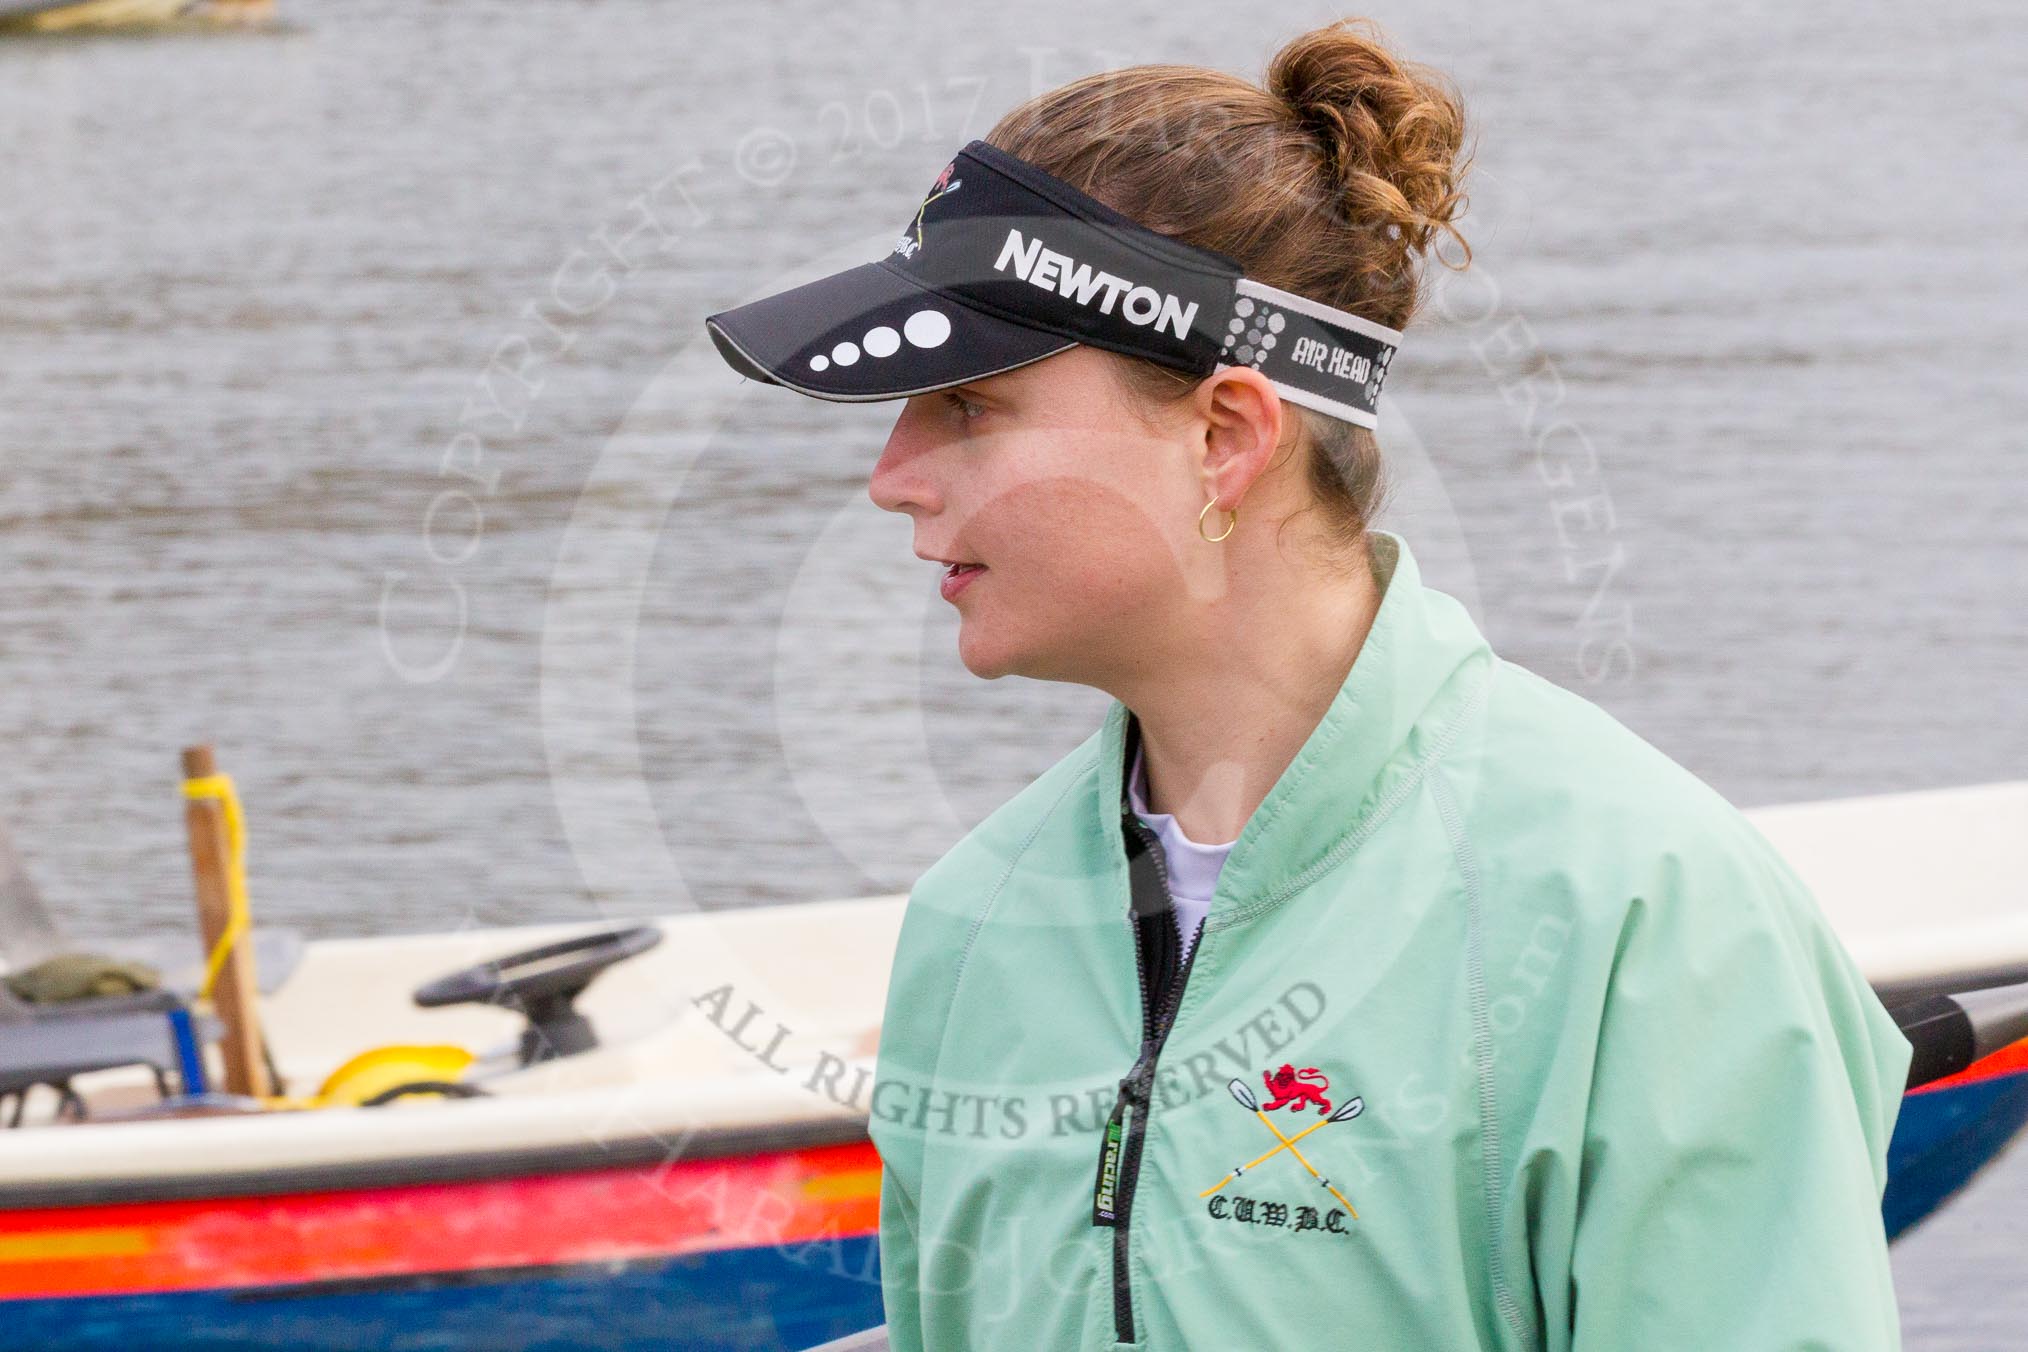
{"x": 1153, "y": 909}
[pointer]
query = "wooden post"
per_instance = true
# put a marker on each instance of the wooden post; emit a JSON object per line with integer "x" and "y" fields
{"x": 234, "y": 996}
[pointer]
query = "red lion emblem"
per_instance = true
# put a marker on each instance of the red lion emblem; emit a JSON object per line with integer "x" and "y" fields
{"x": 1296, "y": 1089}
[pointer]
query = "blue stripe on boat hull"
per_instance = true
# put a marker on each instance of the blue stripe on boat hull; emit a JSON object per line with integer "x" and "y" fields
{"x": 785, "y": 1298}
{"x": 1943, "y": 1138}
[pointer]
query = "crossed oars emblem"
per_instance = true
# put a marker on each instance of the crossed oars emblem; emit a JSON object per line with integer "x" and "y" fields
{"x": 1349, "y": 1110}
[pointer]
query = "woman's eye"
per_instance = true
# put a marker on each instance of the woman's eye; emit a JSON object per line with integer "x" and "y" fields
{"x": 962, "y": 406}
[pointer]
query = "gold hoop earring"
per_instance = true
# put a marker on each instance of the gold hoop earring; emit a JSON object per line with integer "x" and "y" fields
{"x": 1214, "y": 539}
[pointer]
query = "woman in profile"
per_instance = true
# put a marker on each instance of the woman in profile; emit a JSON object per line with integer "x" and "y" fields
{"x": 1349, "y": 985}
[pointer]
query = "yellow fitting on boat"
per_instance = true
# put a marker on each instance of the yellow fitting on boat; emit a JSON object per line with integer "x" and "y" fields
{"x": 219, "y": 787}
{"x": 378, "y": 1069}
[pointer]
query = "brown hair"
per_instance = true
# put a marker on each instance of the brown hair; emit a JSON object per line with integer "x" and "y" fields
{"x": 1333, "y": 179}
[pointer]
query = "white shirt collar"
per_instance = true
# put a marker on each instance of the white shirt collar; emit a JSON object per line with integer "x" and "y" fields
{"x": 1193, "y": 867}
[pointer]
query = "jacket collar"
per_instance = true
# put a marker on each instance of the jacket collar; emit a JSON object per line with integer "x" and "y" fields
{"x": 1423, "y": 663}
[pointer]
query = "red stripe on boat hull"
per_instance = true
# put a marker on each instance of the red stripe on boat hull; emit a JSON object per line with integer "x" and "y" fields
{"x": 684, "y": 1206}
{"x": 2009, "y": 1060}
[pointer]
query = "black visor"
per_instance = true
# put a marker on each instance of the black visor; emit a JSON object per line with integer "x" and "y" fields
{"x": 1004, "y": 265}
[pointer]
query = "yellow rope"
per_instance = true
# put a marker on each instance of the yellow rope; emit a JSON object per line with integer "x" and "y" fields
{"x": 219, "y": 788}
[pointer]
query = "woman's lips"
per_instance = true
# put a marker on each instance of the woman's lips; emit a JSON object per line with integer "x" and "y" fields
{"x": 957, "y": 577}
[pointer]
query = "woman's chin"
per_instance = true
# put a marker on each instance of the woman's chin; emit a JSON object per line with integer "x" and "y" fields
{"x": 985, "y": 660}
{"x": 987, "y": 654}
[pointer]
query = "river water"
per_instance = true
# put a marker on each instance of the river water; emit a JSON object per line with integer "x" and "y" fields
{"x": 353, "y": 419}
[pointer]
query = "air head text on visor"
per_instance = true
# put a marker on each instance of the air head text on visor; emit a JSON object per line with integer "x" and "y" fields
{"x": 1004, "y": 264}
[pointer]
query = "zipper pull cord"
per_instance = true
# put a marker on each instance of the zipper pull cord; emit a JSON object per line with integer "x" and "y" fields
{"x": 1136, "y": 1084}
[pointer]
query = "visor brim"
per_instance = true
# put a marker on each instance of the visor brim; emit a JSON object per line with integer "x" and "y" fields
{"x": 870, "y": 333}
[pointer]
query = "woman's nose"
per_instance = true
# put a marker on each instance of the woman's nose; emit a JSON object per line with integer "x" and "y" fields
{"x": 902, "y": 479}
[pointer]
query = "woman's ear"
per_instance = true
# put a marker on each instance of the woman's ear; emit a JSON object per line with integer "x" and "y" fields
{"x": 1243, "y": 424}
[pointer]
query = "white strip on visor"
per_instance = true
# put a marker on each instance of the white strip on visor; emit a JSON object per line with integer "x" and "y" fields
{"x": 1317, "y": 357}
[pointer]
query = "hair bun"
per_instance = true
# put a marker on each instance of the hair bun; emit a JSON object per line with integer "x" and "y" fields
{"x": 1390, "y": 132}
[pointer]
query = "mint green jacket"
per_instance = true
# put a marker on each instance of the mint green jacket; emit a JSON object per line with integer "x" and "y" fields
{"x": 1564, "y": 1055}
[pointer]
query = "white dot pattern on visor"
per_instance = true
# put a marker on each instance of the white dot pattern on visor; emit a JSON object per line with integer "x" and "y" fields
{"x": 924, "y": 328}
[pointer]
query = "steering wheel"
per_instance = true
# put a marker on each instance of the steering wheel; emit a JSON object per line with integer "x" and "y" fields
{"x": 542, "y": 983}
